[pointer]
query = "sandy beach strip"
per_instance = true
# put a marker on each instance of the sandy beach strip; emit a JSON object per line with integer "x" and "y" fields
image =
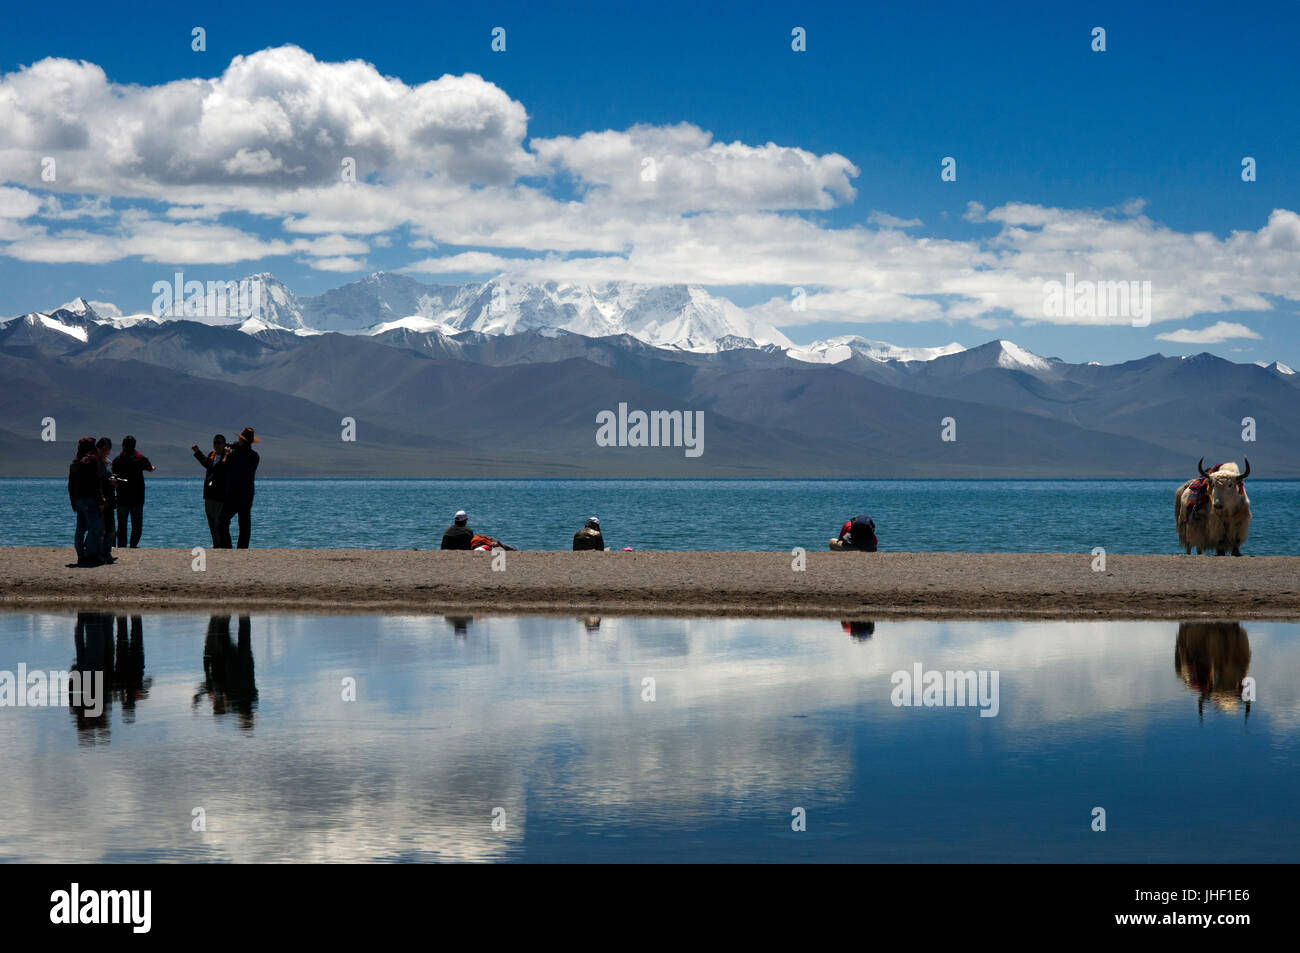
{"x": 841, "y": 585}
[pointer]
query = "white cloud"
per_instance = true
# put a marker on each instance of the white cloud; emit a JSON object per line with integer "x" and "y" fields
{"x": 681, "y": 168}
{"x": 447, "y": 164}
{"x": 885, "y": 220}
{"x": 1216, "y": 333}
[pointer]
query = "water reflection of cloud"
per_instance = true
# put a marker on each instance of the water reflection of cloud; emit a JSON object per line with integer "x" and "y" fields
{"x": 540, "y": 711}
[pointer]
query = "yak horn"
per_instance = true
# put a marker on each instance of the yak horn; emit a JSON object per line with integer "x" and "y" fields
{"x": 1200, "y": 466}
{"x": 1247, "y": 473}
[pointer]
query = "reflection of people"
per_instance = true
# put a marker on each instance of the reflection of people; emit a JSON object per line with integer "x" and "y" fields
{"x": 859, "y": 630}
{"x": 93, "y": 639}
{"x": 228, "y": 677}
{"x": 1213, "y": 659}
{"x": 129, "y": 683}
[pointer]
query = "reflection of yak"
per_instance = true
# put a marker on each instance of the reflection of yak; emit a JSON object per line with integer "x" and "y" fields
{"x": 122, "y": 663}
{"x": 859, "y": 630}
{"x": 460, "y": 623}
{"x": 1213, "y": 659}
{"x": 228, "y": 678}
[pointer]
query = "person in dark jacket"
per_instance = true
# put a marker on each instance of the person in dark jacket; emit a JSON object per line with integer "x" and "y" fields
{"x": 856, "y": 535}
{"x": 589, "y": 537}
{"x": 242, "y": 463}
{"x": 214, "y": 483}
{"x": 86, "y": 494}
{"x": 458, "y": 534}
{"x": 130, "y": 467}
{"x": 103, "y": 447}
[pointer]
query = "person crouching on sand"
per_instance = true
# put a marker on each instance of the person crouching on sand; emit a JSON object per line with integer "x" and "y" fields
{"x": 459, "y": 536}
{"x": 589, "y": 537}
{"x": 856, "y": 535}
{"x": 86, "y": 494}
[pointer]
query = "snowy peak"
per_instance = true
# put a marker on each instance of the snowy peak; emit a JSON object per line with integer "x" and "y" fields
{"x": 680, "y": 317}
{"x": 1276, "y": 366}
{"x": 1015, "y": 357}
{"x": 839, "y": 349}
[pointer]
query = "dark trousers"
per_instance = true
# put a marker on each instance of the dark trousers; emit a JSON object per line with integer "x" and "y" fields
{"x": 212, "y": 509}
{"x": 110, "y": 530}
{"x": 244, "y": 510}
{"x": 136, "y": 512}
{"x": 88, "y": 540}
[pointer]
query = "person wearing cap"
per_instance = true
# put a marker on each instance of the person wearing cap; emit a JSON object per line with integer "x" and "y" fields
{"x": 458, "y": 535}
{"x": 589, "y": 537}
{"x": 241, "y": 467}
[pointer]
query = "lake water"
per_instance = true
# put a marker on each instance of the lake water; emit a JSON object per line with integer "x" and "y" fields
{"x": 1132, "y": 516}
{"x": 546, "y": 726}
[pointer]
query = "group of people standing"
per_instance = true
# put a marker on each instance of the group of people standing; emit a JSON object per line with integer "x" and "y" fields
{"x": 108, "y": 497}
{"x": 228, "y": 486}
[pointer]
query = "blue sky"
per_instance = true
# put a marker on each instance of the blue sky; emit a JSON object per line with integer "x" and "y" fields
{"x": 1123, "y": 165}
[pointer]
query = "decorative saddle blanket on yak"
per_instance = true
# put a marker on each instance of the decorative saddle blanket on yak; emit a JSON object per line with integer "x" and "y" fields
{"x": 1198, "y": 495}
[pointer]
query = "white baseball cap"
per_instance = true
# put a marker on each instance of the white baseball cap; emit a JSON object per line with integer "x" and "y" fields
{"x": 461, "y": 515}
{"x": 593, "y": 520}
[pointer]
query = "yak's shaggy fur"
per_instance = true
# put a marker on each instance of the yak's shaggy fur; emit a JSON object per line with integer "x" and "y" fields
{"x": 1224, "y": 523}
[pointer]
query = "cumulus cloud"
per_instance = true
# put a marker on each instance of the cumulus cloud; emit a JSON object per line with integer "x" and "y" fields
{"x": 272, "y": 119}
{"x": 1216, "y": 333}
{"x": 681, "y": 168}
{"x": 248, "y": 165}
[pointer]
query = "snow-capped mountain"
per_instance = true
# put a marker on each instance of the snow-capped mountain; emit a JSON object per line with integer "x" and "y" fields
{"x": 673, "y": 317}
{"x": 839, "y": 349}
{"x": 1276, "y": 366}
{"x": 680, "y": 317}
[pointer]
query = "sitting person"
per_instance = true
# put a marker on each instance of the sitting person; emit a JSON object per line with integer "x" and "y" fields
{"x": 858, "y": 535}
{"x": 589, "y": 537}
{"x": 458, "y": 535}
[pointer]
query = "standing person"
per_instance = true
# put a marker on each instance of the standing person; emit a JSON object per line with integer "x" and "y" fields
{"x": 241, "y": 464}
{"x": 589, "y": 537}
{"x": 458, "y": 535}
{"x": 130, "y": 467}
{"x": 86, "y": 494}
{"x": 103, "y": 447}
{"x": 214, "y": 483}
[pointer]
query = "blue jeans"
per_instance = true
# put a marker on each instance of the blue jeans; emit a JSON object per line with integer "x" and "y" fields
{"x": 89, "y": 537}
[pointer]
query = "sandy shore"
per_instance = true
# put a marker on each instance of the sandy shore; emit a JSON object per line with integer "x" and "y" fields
{"x": 843, "y": 585}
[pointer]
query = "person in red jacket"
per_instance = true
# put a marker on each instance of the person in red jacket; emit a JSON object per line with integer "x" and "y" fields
{"x": 856, "y": 535}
